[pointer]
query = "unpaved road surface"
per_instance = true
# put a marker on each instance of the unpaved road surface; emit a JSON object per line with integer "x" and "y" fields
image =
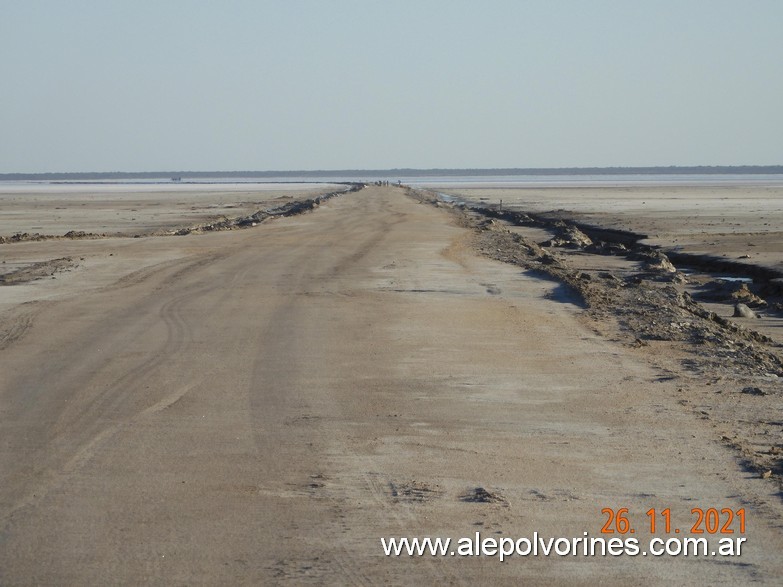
{"x": 266, "y": 406}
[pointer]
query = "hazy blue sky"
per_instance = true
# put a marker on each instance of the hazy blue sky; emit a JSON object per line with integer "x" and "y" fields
{"x": 137, "y": 85}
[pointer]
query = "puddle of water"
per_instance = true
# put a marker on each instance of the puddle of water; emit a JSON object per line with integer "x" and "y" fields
{"x": 735, "y": 279}
{"x": 445, "y": 197}
{"x": 732, "y": 278}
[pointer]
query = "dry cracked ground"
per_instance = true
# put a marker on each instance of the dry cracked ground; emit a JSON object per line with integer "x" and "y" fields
{"x": 262, "y": 406}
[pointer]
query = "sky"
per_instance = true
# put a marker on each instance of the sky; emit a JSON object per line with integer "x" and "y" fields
{"x": 140, "y": 85}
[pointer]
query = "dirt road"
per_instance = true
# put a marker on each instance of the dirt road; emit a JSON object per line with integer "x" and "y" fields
{"x": 269, "y": 404}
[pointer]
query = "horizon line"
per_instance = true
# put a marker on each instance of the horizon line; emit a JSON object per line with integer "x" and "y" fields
{"x": 677, "y": 169}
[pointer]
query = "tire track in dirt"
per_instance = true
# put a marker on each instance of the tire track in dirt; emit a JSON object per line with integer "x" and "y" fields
{"x": 17, "y": 322}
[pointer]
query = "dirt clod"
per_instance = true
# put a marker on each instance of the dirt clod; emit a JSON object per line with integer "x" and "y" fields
{"x": 481, "y": 495}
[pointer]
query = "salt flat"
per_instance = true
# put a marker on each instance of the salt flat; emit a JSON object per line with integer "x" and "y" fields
{"x": 129, "y": 209}
{"x": 262, "y": 406}
{"x": 729, "y": 221}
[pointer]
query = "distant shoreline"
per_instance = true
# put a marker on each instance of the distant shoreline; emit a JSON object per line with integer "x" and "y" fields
{"x": 402, "y": 172}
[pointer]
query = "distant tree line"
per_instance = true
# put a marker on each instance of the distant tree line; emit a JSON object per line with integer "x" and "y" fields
{"x": 399, "y": 172}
